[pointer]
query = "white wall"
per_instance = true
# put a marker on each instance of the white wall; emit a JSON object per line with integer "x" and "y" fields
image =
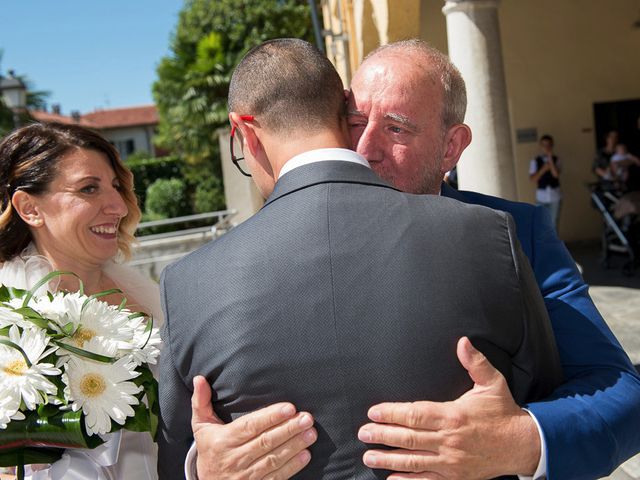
{"x": 142, "y": 137}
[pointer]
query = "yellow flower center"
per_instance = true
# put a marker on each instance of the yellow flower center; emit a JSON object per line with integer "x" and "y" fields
{"x": 83, "y": 335}
{"x": 92, "y": 385}
{"x": 15, "y": 367}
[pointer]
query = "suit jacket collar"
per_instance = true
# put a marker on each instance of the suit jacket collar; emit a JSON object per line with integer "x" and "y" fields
{"x": 447, "y": 191}
{"x": 324, "y": 172}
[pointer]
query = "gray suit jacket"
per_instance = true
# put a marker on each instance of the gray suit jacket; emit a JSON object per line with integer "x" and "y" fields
{"x": 340, "y": 293}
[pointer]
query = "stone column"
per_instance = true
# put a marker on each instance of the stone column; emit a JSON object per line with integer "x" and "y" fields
{"x": 473, "y": 32}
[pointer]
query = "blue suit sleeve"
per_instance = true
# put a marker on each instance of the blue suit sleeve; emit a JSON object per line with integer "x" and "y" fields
{"x": 591, "y": 423}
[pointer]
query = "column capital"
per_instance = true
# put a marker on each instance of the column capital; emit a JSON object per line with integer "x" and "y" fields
{"x": 468, "y": 5}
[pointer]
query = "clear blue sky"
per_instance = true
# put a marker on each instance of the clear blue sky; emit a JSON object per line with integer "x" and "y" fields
{"x": 88, "y": 53}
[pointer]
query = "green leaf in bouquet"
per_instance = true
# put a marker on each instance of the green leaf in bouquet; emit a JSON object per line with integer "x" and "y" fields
{"x": 150, "y": 389}
{"x": 123, "y": 304}
{"x": 15, "y": 293}
{"x": 17, "y": 347}
{"x": 57, "y": 336}
{"x": 148, "y": 330}
{"x": 104, "y": 293}
{"x": 29, "y": 456}
{"x": 84, "y": 353}
{"x": 68, "y": 329}
{"x": 46, "y": 279}
{"x": 4, "y": 294}
{"x": 62, "y": 402}
{"x": 47, "y": 410}
{"x": 34, "y": 317}
{"x": 51, "y": 358}
{"x": 146, "y": 378}
{"x": 154, "y": 409}
{"x": 140, "y": 421}
{"x": 62, "y": 430}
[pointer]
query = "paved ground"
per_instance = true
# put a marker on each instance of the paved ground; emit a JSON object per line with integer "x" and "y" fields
{"x": 618, "y": 299}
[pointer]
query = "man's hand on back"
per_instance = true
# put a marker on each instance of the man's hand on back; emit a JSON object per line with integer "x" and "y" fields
{"x": 482, "y": 434}
{"x": 269, "y": 444}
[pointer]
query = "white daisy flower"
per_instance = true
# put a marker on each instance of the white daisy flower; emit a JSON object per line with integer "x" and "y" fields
{"x": 9, "y": 405}
{"x": 16, "y": 376}
{"x": 98, "y": 319}
{"x": 57, "y": 309}
{"x": 104, "y": 391}
{"x": 8, "y": 317}
{"x": 143, "y": 348}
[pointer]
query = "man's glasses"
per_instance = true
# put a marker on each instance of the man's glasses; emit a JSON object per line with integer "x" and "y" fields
{"x": 234, "y": 159}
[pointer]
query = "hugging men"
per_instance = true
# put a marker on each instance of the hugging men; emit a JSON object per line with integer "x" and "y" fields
{"x": 342, "y": 292}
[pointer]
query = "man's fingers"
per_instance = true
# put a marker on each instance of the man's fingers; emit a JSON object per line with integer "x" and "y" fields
{"x": 248, "y": 427}
{"x": 419, "y": 476}
{"x": 289, "y": 434}
{"x": 201, "y": 409}
{"x": 480, "y": 370}
{"x": 400, "y": 437}
{"x": 399, "y": 460}
{"x": 288, "y": 459}
{"x": 292, "y": 467}
{"x": 421, "y": 415}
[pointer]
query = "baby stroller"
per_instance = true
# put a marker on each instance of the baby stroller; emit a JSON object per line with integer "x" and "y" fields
{"x": 620, "y": 212}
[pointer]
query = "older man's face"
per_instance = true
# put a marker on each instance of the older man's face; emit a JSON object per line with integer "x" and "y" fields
{"x": 395, "y": 123}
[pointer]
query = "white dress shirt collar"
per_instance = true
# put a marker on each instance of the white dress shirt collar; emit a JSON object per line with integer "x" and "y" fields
{"x": 323, "y": 155}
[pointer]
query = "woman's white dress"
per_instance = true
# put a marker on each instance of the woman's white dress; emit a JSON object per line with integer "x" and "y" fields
{"x": 137, "y": 455}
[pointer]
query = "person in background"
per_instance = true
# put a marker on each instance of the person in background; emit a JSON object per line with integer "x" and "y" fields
{"x": 67, "y": 203}
{"x": 602, "y": 161}
{"x": 544, "y": 171}
{"x": 621, "y": 162}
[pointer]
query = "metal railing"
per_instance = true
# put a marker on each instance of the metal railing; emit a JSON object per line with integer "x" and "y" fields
{"x": 220, "y": 226}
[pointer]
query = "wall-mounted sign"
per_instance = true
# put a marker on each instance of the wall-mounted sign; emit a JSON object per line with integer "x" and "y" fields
{"x": 527, "y": 135}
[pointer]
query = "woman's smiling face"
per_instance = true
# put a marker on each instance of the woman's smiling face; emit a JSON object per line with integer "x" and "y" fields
{"x": 81, "y": 210}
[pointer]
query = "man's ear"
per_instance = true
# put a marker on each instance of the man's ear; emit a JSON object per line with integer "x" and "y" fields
{"x": 26, "y": 206}
{"x": 249, "y": 138}
{"x": 457, "y": 138}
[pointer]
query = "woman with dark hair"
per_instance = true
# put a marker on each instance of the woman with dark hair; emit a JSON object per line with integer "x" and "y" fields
{"x": 67, "y": 203}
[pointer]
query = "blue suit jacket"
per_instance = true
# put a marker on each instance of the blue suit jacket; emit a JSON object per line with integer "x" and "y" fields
{"x": 591, "y": 423}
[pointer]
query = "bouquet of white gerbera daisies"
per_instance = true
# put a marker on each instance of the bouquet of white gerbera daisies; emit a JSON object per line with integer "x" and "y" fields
{"x": 71, "y": 367}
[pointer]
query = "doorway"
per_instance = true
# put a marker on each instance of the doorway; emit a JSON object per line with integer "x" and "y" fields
{"x": 622, "y": 116}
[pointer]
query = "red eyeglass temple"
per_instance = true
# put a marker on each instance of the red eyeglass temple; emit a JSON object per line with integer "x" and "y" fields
{"x": 246, "y": 118}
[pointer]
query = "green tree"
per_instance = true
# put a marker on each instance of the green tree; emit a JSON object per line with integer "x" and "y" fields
{"x": 193, "y": 81}
{"x": 6, "y": 115}
{"x": 166, "y": 198}
{"x": 6, "y": 119}
{"x": 209, "y": 195}
{"x": 146, "y": 169}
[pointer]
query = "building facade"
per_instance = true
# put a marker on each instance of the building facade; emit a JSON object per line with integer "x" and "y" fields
{"x": 566, "y": 68}
{"x": 129, "y": 129}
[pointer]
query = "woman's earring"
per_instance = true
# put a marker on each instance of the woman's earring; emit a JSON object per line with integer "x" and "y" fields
{"x": 37, "y": 221}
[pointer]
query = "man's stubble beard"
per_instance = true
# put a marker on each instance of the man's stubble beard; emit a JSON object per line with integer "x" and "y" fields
{"x": 429, "y": 182}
